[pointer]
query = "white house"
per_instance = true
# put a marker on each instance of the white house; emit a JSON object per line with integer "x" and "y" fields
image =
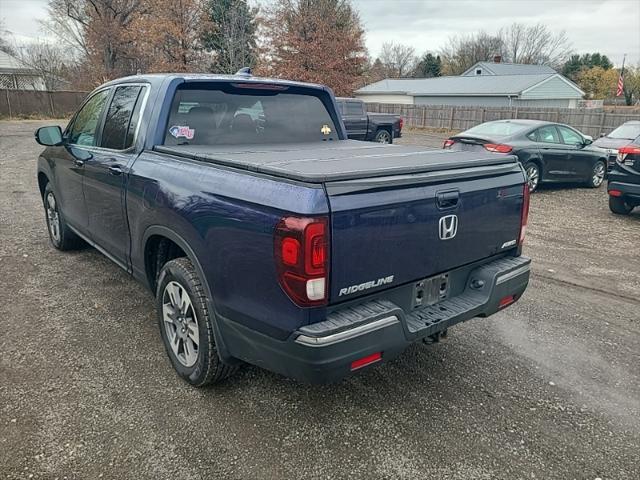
{"x": 485, "y": 84}
{"x": 16, "y": 75}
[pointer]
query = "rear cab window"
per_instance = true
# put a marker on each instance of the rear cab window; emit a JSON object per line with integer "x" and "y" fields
{"x": 220, "y": 113}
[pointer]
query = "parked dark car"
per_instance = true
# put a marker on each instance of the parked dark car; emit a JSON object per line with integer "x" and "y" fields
{"x": 373, "y": 127}
{"x": 550, "y": 152}
{"x": 267, "y": 236}
{"x": 624, "y": 179}
{"x": 621, "y": 136}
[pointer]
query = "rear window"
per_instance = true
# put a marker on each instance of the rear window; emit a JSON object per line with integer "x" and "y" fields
{"x": 497, "y": 128}
{"x": 240, "y": 114}
{"x": 627, "y": 131}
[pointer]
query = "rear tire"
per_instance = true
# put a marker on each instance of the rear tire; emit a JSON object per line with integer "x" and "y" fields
{"x": 618, "y": 206}
{"x": 186, "y": 325}
{"x": 384, "y": 136}
{"x": 598, "y": 173}
{"x": 534, "y": 176}
{"x": 60, "y": 235}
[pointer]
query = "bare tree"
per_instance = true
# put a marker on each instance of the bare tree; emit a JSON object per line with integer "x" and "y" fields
{"x": 48, "y": 62}
{"x": 67, "y": 21}
{"x": 398, "y": 60}
{"x": 462, "y": 52}
{"x": 5, "y": 44}
{"x": 534, "y": 44}
{"x": 98, "y": 30}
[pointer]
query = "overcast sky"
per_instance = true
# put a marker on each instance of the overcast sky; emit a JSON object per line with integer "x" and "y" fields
{"x": 611, "y": 27}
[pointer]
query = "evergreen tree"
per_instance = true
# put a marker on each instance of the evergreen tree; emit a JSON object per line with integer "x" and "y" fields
{"x": 428, "y": 66}
{"x": 231, "y": 36}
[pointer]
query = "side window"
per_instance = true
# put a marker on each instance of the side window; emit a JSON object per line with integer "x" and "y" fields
{"x": 548, "y": 134}
{"x": 340, "y": 107}
{"x": 354, "y": 108}
{"x": 532, "y": 136}
{"x": 570, "y": 137}
{"x": 85, "y": 125}
{"x": 122, "y": 118}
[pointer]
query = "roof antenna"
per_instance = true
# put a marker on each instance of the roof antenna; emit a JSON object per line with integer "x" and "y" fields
{"x": 244, "y": 71}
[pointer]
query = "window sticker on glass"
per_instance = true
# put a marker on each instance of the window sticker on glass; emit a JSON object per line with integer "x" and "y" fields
{"x": 182, "y": 131}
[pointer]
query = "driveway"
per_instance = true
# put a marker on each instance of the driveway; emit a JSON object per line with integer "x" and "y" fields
{"x": 548, "y": 388}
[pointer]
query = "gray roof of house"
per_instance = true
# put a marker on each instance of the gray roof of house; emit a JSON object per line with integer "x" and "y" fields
{"x": 457, "y": 86}
{"x": 510, "y": 69}
{"x": 11, "y": 64}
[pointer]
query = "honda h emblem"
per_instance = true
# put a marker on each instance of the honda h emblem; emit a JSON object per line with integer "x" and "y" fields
{"x": 448, "y": 227}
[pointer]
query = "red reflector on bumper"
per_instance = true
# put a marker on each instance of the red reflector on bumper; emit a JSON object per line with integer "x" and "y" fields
{"x": 364, "y": 361}
{"x": 615, "y": 193}
{"x": 506, "y": 301}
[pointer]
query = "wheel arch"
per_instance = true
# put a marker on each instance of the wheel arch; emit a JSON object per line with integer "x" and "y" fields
{"x": 151, "y": 235}
{"x": 43, "y": 180}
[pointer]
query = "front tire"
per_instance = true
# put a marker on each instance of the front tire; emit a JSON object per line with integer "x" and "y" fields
{"x": 598, "y": 173}
{"x": 60, "y": 235}
{"x": 618, "y": 206}
{"x": 383, "y": 136}
{"x": 186, "y": 325}
{"x": 534, "y": 176}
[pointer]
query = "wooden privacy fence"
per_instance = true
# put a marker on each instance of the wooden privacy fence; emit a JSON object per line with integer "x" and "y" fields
{"x": 37, "y": 103}
{"x": 589, "y": 121}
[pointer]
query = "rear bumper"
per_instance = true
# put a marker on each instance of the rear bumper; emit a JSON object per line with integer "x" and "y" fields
{"x": 628, "y": 189}
{"x": 623, "y": 179}
{"x": 324, "y": 352}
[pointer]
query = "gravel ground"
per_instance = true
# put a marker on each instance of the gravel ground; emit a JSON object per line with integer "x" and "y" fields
{"x": 549, "y": 388}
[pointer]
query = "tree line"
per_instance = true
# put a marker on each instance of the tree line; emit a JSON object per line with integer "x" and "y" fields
{"x": 319, "y": 41}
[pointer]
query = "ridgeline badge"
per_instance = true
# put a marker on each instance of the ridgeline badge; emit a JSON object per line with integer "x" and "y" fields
{"x": 326, "y": 130}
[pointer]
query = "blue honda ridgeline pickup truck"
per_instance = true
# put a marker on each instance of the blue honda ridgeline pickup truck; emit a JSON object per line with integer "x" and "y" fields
{"x": 267, "y": 236}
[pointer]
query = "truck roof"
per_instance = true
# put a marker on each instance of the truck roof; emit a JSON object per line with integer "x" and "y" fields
{"x": 321, "y": 162}
{"x": 157, "y": 78}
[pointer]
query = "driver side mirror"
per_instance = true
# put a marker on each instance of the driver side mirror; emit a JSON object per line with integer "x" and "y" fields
{"x": 49, "y": 136}
{"x": 588, "y": 140}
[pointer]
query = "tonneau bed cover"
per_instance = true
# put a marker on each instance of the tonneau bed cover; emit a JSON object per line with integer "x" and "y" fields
{"x": 335, "y": 161}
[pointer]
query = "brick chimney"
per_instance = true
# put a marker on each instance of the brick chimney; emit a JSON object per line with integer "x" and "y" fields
{"x": 497, "y": 58}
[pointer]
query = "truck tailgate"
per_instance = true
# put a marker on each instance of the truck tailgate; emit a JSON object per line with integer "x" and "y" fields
{"x": 387, "y": 231}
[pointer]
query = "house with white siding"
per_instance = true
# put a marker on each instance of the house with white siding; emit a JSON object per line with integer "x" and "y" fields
{"x": 486, "y": 84}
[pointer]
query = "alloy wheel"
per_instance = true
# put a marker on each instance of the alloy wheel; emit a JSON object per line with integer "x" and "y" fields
{"x": 53, "y": 217}
{"x": 180, "y": 323}
{"x": 533, "y": 177}
{"x": 383, "y": 137}
{"x": 598, "y": 174}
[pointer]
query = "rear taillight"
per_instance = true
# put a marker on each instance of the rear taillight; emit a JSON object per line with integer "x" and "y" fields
{"x": 301, "y": 251}
{"x": 497, "y": 148}
{"x": 524, "y": 216}
{"x": 624, "y": 152}
{"x": 448, "y": 143}
{"x": 401, "y": 123}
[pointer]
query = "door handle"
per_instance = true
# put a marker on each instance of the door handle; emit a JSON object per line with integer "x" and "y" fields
{"x": 78, "y": 162}
{"x": 115, "y": 169}
{"x": 447, "y": 199}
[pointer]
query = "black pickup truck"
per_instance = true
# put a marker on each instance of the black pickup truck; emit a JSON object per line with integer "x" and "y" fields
{"x": 373, "y": 127}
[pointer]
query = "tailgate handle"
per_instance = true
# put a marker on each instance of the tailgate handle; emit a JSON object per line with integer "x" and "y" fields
{"x": 448, "y": 199}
